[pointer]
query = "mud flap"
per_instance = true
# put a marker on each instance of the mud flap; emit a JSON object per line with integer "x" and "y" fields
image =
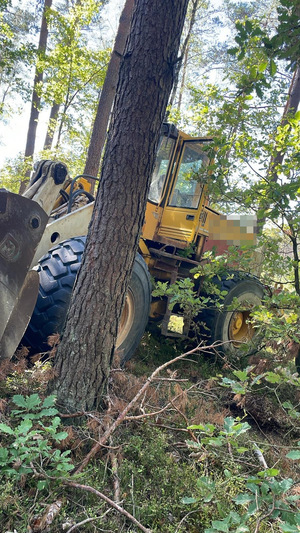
{"x": 22, "y": 224}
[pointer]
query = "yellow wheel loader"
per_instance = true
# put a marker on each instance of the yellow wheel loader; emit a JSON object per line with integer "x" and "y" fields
{"x": 177, "y": 220}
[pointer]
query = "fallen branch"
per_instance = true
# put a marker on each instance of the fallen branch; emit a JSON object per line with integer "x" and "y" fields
{"x": 123, "y": 415}
{"x": 110, "y": 502}
{"x": 87, "y": 520}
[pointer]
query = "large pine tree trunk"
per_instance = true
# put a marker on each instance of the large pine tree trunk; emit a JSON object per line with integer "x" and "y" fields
{"x": 145, "y": 81}
{"x": 36, "y": 99}
{"x": 108, "y": 93}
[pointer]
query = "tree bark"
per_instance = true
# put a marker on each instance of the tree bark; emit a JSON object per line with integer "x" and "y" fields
{"x": 51, "y": 126}
{"x": 36, "y": 99}
{"x": 108, "y": 93}
{"x": 145, "y": 81}
{"x": 289, "y": 110}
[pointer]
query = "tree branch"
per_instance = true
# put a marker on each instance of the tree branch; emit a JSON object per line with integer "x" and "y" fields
{"x": 110, "y": 502}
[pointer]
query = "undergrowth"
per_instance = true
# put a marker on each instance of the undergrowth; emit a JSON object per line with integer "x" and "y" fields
{"x": 208, "y": 449}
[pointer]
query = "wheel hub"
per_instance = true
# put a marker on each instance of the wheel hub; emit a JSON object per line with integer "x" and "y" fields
{"x": 126, "y": 320}
{"x": 240, "y": 327}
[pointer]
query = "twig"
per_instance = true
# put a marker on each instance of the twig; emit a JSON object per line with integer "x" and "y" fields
{"x": 122, "y": 415}
{"x": 114, "y": 468}
{"x": 172, "y": 379}
{"x": 181, "y": 521}
{"x": 87, "y": 520}
{"x": 170, "y": 427}
{"x": 154, "y": 413}
{"x": 72, "y": 415}
{"x": 110, "y": 502}
{"x": 148, "y": 415}
{"x": 186, "y": 421}
{"x": 261, "y": 518}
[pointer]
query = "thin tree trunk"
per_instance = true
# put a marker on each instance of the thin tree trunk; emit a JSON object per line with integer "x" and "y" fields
{"x": 184, "y": 50}
{"x": 295, "y": 245}
{"x": 145, "y": 81}
{"x": 184, "y": 70}
{"x": 108, "y": 93}
{"x": 277, "y": 158}
{"x": 51, "y": 126}
{"x": 36, "y": 99}
{"x": 289, "y": 110}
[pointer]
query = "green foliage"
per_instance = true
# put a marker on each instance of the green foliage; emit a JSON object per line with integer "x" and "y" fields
{"x": 13, "y": 172}
{"x": 153, "y": 481}
{"x": 74, "y": 68}
{"x": 17, "y": 55}
{"x": 182, "y": 294}
{"x": 27, "y": 442}
{"x": 228, "y": 436}
{"x": 258, "y": 500}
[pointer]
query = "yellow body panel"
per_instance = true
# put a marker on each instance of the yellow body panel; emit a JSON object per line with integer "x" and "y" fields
{"x": 152, "y": 218}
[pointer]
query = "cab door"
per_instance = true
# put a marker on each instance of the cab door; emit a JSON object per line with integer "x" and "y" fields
{"x": 185, "y": 196}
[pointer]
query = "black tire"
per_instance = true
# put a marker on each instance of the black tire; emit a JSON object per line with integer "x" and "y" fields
{"x": 57, "y": 270}
{"x": 233, "y": 327}
{"x": 139, "y": 291}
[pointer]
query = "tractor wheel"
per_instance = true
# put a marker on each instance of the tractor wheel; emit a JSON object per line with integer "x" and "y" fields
{"x": 233, "y": 327}
{"x": 57, "y": 271}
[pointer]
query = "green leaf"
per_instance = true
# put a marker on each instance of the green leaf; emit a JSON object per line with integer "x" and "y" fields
{"x": 288, "y": 528}
{"x": 3, "y": 455}
{"x": 252, "y": 509}
{"x": 272, "y": 67}
{"x": 271, "y": 377}
{"x": 6, "y": 429}
{"x": 221, "y": 525}
{"x": 49, "y": 401}
{"x": 242, "y": 499}
{"x": 19, "y": 400}
{"x": 293, "y": 454}
{"x": 232, "y": 51}
{"x": 28, "y": 402}
{"x": 262, "y": 67}
{"x": 24, "y": 427}
{"x": 228, "y": 424}
{"x": 189, "y": 501}
{"x": 42, "y": 484}
{"x": 248, "y": 26}
{"x": 258, "y": 91}
{"x": 287, "y": 405}
{"x": 197, "y": 426}
{"x": 51, "y": 411}
{"x": 61, "y": 436}
{"x": 269, "y": 472}
{"x": 242, "y": 375}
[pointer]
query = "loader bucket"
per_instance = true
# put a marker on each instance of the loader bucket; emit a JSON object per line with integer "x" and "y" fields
{"x": 22, "y": 224}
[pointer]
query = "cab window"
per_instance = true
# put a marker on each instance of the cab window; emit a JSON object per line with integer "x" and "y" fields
{"x": 160, "y": 170}
{"x": 188, "y": 187}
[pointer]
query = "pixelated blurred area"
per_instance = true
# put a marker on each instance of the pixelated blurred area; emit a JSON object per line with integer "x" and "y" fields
{"x": 230, "y": 230}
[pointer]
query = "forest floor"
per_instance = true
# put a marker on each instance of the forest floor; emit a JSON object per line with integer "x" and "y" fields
{"x": 199, "y": 435}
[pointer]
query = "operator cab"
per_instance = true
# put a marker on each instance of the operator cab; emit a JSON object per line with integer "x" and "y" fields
{"x": 178, "y": 189}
